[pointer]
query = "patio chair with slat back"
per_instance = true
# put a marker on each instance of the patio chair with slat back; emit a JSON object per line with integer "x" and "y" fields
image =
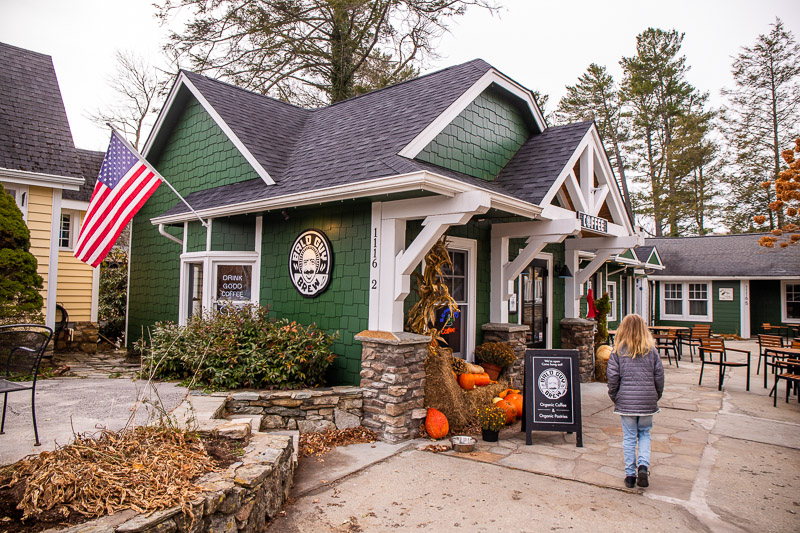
{"x": 717, "y": 346}
{"x": 791, "y": 374}
{"x": 21, "y": 349}
{"x": 765, "y": 342}
{"x": 667, "y": 344}
{"x": 699, "y": 331}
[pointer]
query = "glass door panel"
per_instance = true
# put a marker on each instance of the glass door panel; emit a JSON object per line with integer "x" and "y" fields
{"x": 534, "y": 303}
{"x": 455, "y": 333}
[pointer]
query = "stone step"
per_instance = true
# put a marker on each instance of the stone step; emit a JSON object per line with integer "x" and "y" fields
{"x": 295, "y": 434}
{"x": 253, "y": 420}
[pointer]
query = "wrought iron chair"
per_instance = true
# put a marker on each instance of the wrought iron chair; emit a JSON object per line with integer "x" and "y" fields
{"x": 791, "y": 374}
{"x": 710, "y": 346}
{"x": 21, "y": 349}
{"x": 765, "y": 342}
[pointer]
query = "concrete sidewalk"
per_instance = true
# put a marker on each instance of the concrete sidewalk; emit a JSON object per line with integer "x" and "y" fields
{"x": 721, "y": 461}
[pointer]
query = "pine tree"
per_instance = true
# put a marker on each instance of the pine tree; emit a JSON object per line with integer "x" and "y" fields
{"x": 596, "y": 97}
{"x": 661, "y": 102}
{"x": 762, "y": 116}
{"x": 20, "y": 300}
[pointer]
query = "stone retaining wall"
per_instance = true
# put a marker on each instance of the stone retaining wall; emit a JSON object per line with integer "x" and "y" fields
{"x": 309, "y": 410}
{"x": 240, "y": 499}
{"x": 578, "y": 334}
{"x": 78, "y": 337}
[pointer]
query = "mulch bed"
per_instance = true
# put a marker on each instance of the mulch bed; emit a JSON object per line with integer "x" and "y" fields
{"x": 144, "y": 469}
{"x": 320, "y": 443}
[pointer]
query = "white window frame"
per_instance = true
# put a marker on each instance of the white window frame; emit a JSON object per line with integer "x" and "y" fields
{"x": 74, "y": 223}
{"x": 685, "y": 316}
{"x": 21, "y": 197}
{"x": 784, "y": 315}
{"x": 210, "y": 261}
{"x": 612, "y": 316}
{"x": 471, "y": 247}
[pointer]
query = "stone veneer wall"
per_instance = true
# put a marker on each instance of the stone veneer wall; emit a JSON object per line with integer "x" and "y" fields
{"x": 578, "y": 334}
{"x": 513, "y": 335}
{"x": 240, "y": 499}
{"x": 393, "y": 383}
{"x": 83, "y": 338}
{"x": 308, "y": 411}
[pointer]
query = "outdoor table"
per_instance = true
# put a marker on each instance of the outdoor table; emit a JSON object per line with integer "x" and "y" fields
{"x": 781, "y": 353}
{"x": 678, "y": 331}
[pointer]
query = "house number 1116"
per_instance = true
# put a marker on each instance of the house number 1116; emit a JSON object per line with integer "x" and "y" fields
{"x": 374, "y": 282}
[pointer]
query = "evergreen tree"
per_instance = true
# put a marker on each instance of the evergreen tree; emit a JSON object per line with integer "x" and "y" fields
{"x": 596, "y": 97}
{"x": 311, "y": 51}
{"x": 20, "y": 300}
{"x": 762, "y": 116}
{"x": 661, "y": 102}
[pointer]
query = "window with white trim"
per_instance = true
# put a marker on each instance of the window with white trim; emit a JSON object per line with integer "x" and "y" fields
{"x": 611, "y": 289}
{"x": 791, "y": 301}
{"x": 685, "y": 301}
{"x": 67, "y": 229}
{"x": 218, "y": 281}
{"x": 20, "y": 195}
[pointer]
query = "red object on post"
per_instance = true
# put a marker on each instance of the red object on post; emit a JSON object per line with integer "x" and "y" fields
{"x": 592, "y": 312}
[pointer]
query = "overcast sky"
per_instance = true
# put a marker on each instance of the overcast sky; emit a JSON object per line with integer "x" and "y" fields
{"x": 542, "y": 45}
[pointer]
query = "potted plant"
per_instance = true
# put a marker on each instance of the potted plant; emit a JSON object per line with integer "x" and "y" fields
{"x": 494, "y": 357}
{"x": 491, "y": 419}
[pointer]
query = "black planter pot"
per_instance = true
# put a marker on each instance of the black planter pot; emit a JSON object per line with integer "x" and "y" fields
{"x": 489, "y": 435}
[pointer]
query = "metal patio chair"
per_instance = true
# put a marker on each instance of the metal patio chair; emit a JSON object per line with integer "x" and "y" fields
{"x": 21, "y": 349}
{"x": 717, "y": 346}
{"x": 667, "y": 343}
{"x": 764, "y": 343}
{"x": 699, "y": 331}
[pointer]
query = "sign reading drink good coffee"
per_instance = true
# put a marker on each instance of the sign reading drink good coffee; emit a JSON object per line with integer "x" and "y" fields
{"x": 311, "y": 263}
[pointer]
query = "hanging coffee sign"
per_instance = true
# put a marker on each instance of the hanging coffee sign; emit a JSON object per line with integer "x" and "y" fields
{"x": 592, "y": 223}
{"x": 311, "y": 263}
{"x": 552, "y": 393}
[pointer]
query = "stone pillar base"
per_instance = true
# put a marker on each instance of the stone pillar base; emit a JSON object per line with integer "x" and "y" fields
{"x": 78, "y": 337}
{"x": 578, "y": 334}
{"x": 393, "y": 383}
{"x": 514, "y": 336}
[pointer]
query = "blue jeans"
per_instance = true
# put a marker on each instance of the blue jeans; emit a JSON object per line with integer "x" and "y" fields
{"x": 633, "y": 428}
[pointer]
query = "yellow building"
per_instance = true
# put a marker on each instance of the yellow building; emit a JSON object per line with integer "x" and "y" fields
{"x": 48, "y": 177}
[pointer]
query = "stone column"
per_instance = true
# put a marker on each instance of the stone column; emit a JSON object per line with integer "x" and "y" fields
{"x": 514, "y": 336}
{"x": 393, "y": 383}
{"x": 578, "y": 334}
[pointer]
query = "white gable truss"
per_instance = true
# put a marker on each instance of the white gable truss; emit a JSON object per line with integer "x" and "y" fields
{"x": 492, "y": 77}
{"x": 183, "y": 82}
{"x": 557, "y": 223}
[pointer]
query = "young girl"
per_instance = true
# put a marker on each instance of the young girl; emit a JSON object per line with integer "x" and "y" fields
{"x": 635, "y": 383}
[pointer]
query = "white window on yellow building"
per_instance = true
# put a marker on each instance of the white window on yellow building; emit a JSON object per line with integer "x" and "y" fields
{"x": 68, "y": 229}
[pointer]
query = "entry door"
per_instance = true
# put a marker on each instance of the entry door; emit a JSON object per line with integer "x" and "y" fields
{"x": 457, "y": 281}
{"x": 534, "y": 303}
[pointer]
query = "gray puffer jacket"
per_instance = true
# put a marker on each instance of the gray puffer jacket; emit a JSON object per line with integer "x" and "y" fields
{"x": 635, "y": 385}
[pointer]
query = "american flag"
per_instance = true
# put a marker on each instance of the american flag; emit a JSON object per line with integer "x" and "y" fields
{"x": 124, "y": 184}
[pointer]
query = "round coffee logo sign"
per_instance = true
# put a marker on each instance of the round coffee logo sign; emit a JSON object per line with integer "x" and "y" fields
{"x": 311, "y": 263}
{"x": 553, "y": 383}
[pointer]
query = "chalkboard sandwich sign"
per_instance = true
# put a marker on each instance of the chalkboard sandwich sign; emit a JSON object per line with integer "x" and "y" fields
{"x": 552, "y": 393}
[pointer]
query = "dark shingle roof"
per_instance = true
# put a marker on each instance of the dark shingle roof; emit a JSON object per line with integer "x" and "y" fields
{"x": 358, "y": 139}
{"x": 643, "y": 253}
{"x": 34, "y": 132}
{"x": 724, "y": 255}
{"x": 90, "y": 166}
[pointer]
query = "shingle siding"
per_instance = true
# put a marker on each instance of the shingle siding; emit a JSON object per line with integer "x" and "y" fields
{"x": 481, "y": 140}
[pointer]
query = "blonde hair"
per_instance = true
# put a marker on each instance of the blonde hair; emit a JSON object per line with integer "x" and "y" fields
{"x": 633, "y": 337}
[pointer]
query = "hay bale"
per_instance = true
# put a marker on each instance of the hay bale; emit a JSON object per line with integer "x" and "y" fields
{"x": 480, "y": 396}
{"x": 442, "y": 391}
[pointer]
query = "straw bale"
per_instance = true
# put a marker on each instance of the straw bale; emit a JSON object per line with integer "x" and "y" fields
{"x": 442, "y": 391}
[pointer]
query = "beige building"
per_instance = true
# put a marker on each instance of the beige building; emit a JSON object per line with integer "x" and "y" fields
{"x": 49, "y": 178}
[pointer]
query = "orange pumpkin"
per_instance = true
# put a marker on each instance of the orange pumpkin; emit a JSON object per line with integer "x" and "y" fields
{"x": 436, "y": 424}
{"x": 515, "y": 400}
{"x": 481, "y": 380}
{"x": 467, "y": 381}
{"x": 508, "y": 408}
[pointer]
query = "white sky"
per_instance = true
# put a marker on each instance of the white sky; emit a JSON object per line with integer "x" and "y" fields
{"x": 542, "y": 45}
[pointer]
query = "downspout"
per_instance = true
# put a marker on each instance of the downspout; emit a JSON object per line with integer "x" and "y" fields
{"x": 169, "y": 236}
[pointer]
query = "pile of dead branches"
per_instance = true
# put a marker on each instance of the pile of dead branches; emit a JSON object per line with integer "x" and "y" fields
{"x": 320, "y": 443}
{"x": 145, "y": 469}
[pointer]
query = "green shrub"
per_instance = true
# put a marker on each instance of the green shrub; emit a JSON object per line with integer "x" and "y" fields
{"x": 242, "y": 349}
{"x": 496, "y": 353}
{"x": 113, "y": 294}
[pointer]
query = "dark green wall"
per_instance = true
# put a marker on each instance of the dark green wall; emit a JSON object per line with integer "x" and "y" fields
{"x": 198, "y": 155}
{"x": 482, "y": 139}
{"x": 344, "y": 306}
{"x": 725, "y": 315}
{"x": 234, "y": 234}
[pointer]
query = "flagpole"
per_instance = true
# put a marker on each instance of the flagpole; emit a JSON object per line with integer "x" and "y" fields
{"x": 134, "y": 150}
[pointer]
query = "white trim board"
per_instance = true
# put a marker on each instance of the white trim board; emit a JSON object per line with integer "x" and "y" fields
{"x": 183, "y": 81}
{"x": 492, "y": 76}
{"x": 39, "y": 179}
